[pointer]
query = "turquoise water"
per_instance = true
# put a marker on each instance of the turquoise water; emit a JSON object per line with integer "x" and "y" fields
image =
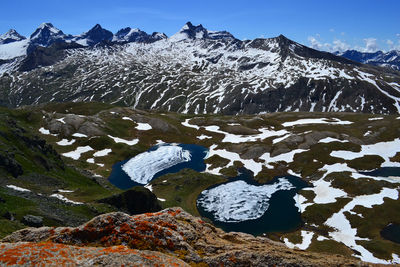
{"x": 282, "y": 214}
{"x": 120, "y": 179}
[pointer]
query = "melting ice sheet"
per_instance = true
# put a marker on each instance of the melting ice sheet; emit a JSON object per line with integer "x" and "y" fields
{"x": 239, "y": 201}
{"x": 144, "y": 166}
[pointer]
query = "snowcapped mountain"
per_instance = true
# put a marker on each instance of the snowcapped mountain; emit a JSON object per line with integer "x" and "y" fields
{"x": 389, "y": 59}
{"x": 45, "y": 35}
{"x": 191, "y": 32}
{"x": 199, "y": 71}
{"x": 11, "y": 36}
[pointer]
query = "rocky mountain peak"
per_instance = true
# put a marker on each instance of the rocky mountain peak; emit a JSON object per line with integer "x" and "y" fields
{"x": 191, "y": 32}
{"x": 94, "y": 36}
{"x": 11, "y": 36}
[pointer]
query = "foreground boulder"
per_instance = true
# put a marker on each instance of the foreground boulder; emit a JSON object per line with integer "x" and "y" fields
{"x": 171, "y": 231}
{"x": 52, "y": 254}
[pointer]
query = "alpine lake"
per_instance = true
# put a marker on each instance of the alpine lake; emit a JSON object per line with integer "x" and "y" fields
{"x": 282, "y": 214}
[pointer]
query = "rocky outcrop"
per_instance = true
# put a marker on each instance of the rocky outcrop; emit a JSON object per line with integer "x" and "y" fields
{"x": 171, "y": 231}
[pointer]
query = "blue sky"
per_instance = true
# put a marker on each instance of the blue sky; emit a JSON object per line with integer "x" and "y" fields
{"x": 325, "y": 24}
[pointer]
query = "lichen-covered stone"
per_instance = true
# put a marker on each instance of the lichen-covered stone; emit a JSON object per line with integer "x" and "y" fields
{"x": 175, "y": 232}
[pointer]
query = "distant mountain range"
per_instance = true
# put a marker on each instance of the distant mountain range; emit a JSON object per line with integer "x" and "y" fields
{"x": 193, "y": 71}
{"x": 390, "y": 59}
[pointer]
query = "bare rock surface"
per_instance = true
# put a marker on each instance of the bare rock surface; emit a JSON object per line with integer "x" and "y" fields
{"x": 116, "y": 238}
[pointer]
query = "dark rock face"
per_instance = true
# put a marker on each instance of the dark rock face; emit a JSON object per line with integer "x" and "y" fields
{"x": 9, "y": 164}
{"x": 46, "y": 56}
{"x": 135, "y": 35}
{"x": 31, "y": 220}
{"x": 134, "y": 201}
{"x": 9, "y": 216}
{"x": 2, "y": 200}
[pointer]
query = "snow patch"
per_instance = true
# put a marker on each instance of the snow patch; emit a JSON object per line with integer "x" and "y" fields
{"x": 102, "y": 153}
{"x": 128, "y": 142}
{"x": 17, "y": 188}
{"x": 66, "y": 200}
{"x": 306, "y": 237}
{"x": 76, "y": 154}
{"x": 79, "y": 135}
{"x": 65, "y": 142}
{"x": 346, "y": 234}
{"x": 316, "y": 121}
{"x": 187, "y": 124}
{"x": 143, "y": 126}
{"x": 386, "y": 150}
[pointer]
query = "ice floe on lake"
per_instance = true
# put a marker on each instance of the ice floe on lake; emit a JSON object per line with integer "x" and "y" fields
{"x": 144, "y": 166}
{"x": 239, "y": 201}
{"x": 76, "y": 154}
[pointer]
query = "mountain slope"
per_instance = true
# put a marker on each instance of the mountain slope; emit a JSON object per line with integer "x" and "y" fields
{"x": 202, "y": 71}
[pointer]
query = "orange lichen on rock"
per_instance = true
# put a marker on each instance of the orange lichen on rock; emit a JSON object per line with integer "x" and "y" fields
{"x": 52, "y": 254}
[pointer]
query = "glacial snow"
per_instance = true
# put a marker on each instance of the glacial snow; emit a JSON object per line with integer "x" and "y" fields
{"x": 144, "y": 166}
{"x": 386, "y": 150}
{"x": 239, "y": 201}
